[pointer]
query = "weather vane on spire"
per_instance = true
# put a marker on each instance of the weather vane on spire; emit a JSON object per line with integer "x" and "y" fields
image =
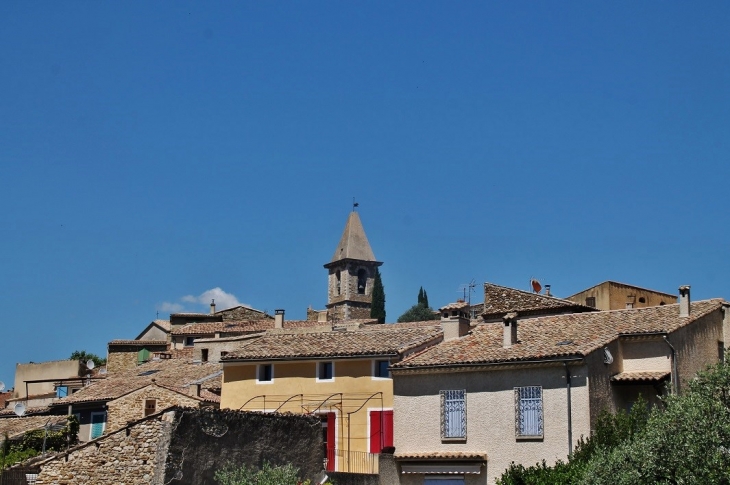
{"x": 354, "y": 204}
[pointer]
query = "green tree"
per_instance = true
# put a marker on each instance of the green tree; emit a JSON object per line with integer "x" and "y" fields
{"x": 425, "y": 299}
{"x": 377, "y": 308}
{"x": 417, "y": 313}
{"x": 233, "y": 474}
{"x": 84, "y": 356}
{"x": 420, "y": 296}
{"x": 687, "y": 442}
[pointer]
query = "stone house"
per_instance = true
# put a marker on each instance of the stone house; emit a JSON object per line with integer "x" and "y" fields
{"x": 611, "y": 295}
{"x": 340, "y": 376}
{"x": 134, "y": 393}
{"x": 528, "y": 389}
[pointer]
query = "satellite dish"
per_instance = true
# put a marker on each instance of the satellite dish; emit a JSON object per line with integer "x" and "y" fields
{"x": 2, "y": 386}
{"x": 19, "y": 409}
{"x": 90, "y": 364}
{"x": 536, "y": 286}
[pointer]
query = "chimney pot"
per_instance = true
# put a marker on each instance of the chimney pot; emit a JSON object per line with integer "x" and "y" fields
{"x": 510, "y": 330}
{"x": 279, "y": 318}
{"x": 455, "y": 324}
{"x": 547, "y": 290}
{"x": 684, "y": 301}
{"x": 212, "y": 307}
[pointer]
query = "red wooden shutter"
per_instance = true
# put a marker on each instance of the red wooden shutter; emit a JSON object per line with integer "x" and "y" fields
{"x": 381, "y": 430}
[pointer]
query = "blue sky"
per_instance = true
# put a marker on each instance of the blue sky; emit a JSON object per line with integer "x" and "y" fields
{"x": 156, "y": 150}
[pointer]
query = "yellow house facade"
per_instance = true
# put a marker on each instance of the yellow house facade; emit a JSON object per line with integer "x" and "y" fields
{"x": 342, "y": 376}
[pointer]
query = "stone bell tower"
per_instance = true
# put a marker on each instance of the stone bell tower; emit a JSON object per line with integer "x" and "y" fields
{"x": 351, "y": 274}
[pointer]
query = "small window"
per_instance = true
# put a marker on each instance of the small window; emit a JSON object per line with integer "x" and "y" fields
{"x": 381, "y": 369}
{"x": 453, "y": 415}
{"x": 591, "y": 301}
{"x": 325, "y": 371}
{"x": 189, "y": 341}
{"x": 224, "y": 353}
{"x": 266, "y": 373}
{"x": 339, "y": 282}
{"x": 61, "y": 391}
{"x": 642, "y": 299}
{"x": 204, "y": 355}
{"x": 150, "y": 406}
{"x": 528, "y": 412}
{"x": 661, "y": 303}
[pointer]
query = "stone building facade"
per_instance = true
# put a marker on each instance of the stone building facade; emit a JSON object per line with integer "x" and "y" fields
{"x": 123, "y": 355}
{"x": 143, "y": 402}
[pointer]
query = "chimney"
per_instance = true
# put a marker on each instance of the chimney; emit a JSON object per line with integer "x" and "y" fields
{"x": 510, "y": 330}
{"x": 322, "y": 316}
{"x": 547, "y": 290}
{"x": 195, "y": 390}
{"x": 279, "y": 318}
{"x": 684, "y": 301}
{"x": 212, "y": 307}
{"x": 455, "y": 320}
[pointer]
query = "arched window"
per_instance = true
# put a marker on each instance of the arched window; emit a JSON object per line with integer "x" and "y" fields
{"x": 339, "y": 281}
{"x": 362, "y": 279}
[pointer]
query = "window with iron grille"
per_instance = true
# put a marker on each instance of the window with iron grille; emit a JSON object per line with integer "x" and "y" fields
{"x": 453, "y": 414}
{"x": 591, "y": 301}
{"x": 528, "y": 412}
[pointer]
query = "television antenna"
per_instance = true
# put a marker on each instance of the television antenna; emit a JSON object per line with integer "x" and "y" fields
{"x": 467, "y": 290}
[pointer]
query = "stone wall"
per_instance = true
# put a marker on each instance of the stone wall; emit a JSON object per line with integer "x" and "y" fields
{"x": 130, "y": 407}
{"x": 124, "y": 357}
{"x": 242, "y": 313}
{"x": 129, "y": 456}
{"x": 205, "y": 440}
{"x": 341, "y": 478}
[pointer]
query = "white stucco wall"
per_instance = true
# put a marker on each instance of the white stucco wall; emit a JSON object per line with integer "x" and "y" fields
{"x": 490, "y": 407}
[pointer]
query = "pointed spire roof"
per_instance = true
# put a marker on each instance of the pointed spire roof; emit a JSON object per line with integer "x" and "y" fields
{"x": 353, "y": 243}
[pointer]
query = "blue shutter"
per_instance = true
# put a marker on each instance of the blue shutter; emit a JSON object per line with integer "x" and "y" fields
{"x": 97, "y": 424}
{"x": 453, "y": 414}
{"x": 528, "y": 401}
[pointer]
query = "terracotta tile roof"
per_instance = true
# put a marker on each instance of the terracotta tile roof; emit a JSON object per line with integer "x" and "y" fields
{"x": 140, "y": 343}
{"x": 499, "y": 300}
{"x": 28, "y": 412}
{"x": 334, "y": 344}
{"x": 16, "y": 427}
{"x": 421, "y": 324}
{"x": 177, "y": 374}
{"x": 441, "y": 455}
{"x": 570, "y": 335}
{"x": 210, "y": 328}
{"x": 641, "y": 376}
{"x": 457, "y": 305}
{"x": 209, "y": 396}
{"x": 181, "y": 354}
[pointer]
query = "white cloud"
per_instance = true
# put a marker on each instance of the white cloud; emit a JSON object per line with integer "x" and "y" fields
{"x": 166, "y": 306}
{"x": 222, "y": 299}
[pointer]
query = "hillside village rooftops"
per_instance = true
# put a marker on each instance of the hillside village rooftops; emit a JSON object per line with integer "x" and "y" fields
{"x": 225, "y": 326}
{"x": 555, "y": 337}
{"x": 175, "y": 374}
{"x": 345, "y": 344}
{"x": 499, "y": 300}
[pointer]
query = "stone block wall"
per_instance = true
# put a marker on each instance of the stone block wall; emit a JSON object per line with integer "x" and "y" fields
{"x": 242, "y": 313}
{"x": 128, "y": 457}
{"x": 118, "y": 361}
{"x": 205, "y": 440}
{"x": 130, "y": 407}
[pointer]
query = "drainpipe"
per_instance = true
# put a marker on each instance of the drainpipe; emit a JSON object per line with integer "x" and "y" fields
{"x": 570, "y": 414}
{"x": 675, "y": 376}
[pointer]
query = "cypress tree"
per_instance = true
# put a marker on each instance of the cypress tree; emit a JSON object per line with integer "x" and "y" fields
{"x": 420, "y": 296}
{"x": 425, "y": 299}
{"x": 377, "y": 308}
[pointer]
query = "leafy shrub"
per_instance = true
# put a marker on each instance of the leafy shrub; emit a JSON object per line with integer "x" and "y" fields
{"x": 233, "y": 474}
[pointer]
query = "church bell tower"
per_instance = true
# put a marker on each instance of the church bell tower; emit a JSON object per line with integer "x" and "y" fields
{"x": 351, "y": 274}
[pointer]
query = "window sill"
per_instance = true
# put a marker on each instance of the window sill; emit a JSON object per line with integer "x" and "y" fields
{"x": 453, "y": 440}
{"x": 530, "y": 438}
